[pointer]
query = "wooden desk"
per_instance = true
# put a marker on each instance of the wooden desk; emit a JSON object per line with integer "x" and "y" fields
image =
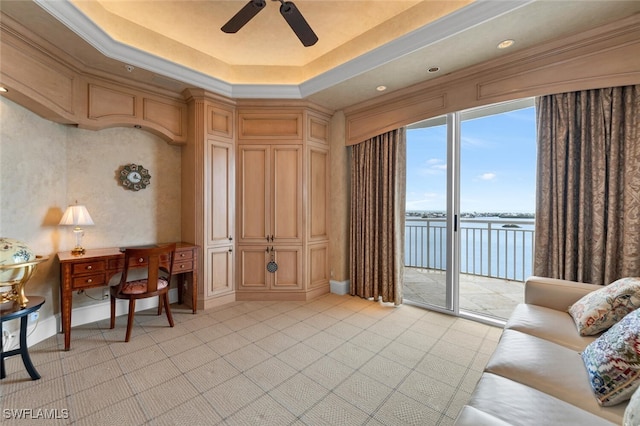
{"x": 95, "y": 268}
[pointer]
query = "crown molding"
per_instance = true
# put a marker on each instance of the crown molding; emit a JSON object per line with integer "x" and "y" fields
{"x": 266, "y": 91}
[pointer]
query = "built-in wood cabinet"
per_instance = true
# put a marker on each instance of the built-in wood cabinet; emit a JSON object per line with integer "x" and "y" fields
{"x": 208, "y": 193}
{"x": 270, "y": 193}
{"x": 255, "y": 189}
{"x": 253, "y": 274}
{"x": 282, "y": 203}
{"x": 219, "y": 272}
{"x": 220, "y": 198}
{"x": 219, "y": 214}
{"x": 317, "y": 256}
{"x": 318, "y": 194}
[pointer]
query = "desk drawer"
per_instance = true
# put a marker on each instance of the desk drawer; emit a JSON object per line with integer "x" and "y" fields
{"x": 183, "y": 255}
{"x": 88, "y": 267}
{"x": 180, "y": 267}
{"x": 118, "y": 264}
{"x": 95, "y": 280}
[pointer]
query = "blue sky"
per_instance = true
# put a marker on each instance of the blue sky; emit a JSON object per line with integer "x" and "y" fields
{"x": 498, "y": 164}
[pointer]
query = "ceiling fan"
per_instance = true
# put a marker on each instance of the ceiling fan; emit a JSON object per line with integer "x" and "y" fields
{"x": 289, "y": 12}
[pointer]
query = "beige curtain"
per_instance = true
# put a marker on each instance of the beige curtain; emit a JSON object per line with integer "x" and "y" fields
{"x": 377, "y": 217}
{"x": 588, "y": 185}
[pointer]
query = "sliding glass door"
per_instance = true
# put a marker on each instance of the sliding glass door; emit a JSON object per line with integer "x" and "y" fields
{"x": 497, "y": 205}
{"x": 427, "y": 281}
{"x": 470, "y": 204}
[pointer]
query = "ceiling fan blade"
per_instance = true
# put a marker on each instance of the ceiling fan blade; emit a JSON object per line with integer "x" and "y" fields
{"x": 243, "y": 16}
{"x": 298, "y": 24}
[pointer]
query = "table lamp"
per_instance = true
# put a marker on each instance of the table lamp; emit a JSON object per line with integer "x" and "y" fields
{"x": 77, "y": 215}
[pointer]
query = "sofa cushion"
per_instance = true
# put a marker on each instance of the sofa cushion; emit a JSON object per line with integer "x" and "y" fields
{"x": 613, "y": 361}
{"x": 555, "y": 293}
{"x": 600, "y": 309}
{"x": 550, "y": 368}
{"x": 549, "y": 324}
{"x": 498, "y": 401}
{"x": 471, "y": 416}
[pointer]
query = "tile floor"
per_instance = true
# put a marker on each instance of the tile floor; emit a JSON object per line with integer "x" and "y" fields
{"x": 336, "y": 360}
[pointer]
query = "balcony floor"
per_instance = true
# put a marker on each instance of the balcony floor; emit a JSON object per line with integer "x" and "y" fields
{"x": 492, "y": 297}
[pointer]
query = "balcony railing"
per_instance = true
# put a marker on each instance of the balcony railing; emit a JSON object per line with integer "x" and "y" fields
{"x": 496, "y": 248}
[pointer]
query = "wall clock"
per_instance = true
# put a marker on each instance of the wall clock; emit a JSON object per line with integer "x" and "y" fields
{"x": 134, "y": 177}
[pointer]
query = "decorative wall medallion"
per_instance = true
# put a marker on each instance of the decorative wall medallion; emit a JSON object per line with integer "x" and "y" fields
{"x": 134, "y": 177}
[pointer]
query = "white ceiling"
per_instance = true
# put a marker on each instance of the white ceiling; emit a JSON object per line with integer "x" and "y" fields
{"x": 362, "y": 43}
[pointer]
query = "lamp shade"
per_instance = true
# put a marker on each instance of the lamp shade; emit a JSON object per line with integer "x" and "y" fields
{"x": 76, "y": 215}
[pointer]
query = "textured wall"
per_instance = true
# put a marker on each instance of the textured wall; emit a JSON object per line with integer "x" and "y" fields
{"x": 340, "y": 196}
{"x": 45, "y": 166}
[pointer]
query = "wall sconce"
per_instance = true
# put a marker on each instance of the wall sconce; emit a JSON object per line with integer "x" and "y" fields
{"x": 77, "y": 216}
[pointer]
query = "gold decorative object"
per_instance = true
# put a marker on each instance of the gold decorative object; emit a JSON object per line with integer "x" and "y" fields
{"x": 23, "y": 270}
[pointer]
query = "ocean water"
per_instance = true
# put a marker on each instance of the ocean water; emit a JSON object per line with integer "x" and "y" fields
{"x": 487, "y": 246}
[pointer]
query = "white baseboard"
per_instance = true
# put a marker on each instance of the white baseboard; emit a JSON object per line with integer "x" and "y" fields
{"x": 339, "y": 287}
{"x": 50, "y": 326}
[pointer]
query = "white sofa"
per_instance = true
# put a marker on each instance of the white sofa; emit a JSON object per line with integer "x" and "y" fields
{"x": 536, "y": 375}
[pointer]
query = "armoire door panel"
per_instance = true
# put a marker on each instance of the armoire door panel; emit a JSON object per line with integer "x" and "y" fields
{"x": 289, "y": 273}
{"x": 318, "y": 265}
{"x": 219, "y": 271}
{"x": 286, "y": 193}
{"x": 220, "y": 194}
{"x": 254, "y": 193}
{"x": 252, "y": 266}
{"x": 318, "y": 184}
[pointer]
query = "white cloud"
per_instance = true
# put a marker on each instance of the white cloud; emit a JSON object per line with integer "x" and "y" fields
{"x": 434, "y": 166}
{"x": 487, "y": 176}
{"x": 424, "y": 201}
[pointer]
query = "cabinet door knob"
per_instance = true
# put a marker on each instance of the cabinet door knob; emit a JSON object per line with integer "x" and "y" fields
{"x": 89, "y": 267}
{"x": 230, "y": 250}
{"x": 141, "y": 260}
{"x": 89, "y": 280}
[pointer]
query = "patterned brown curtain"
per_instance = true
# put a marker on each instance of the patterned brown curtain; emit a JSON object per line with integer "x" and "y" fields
{"x": 588, "y": 185}
{"x": 377, "y": 217}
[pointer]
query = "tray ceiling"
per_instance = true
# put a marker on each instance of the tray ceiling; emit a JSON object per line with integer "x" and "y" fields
{"x": 362, "y": 43}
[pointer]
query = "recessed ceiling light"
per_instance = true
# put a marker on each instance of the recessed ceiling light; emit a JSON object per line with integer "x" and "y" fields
{"x": 3, "y": 89}
{"x": 433, "y": 69}
{"x": 381, "y": 88}
{"x": 505, "y": 43}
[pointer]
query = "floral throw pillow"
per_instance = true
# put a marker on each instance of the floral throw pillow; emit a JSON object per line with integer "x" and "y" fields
{"x": 613, "y": 361}
{"x": 632, "y": 412}
{"x": 600, "y": 309}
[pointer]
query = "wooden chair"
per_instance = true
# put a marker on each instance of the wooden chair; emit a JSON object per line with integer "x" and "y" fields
{"x": 159, "y": 264}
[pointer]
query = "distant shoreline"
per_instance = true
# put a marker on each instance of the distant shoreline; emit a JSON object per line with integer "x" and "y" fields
{"x": 467, "y": 215}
